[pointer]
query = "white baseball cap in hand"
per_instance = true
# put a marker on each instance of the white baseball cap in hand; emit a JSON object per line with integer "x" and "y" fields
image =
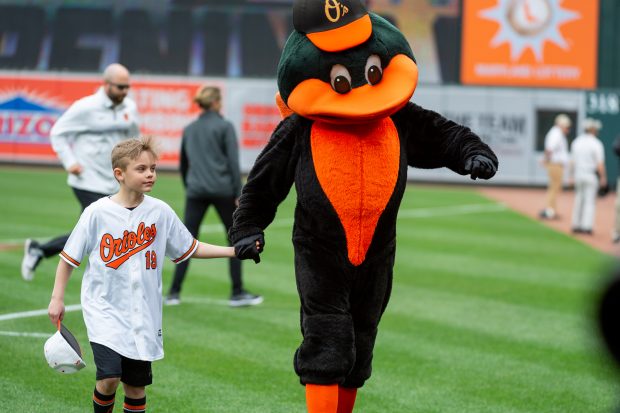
{"x": 63, "y": 352}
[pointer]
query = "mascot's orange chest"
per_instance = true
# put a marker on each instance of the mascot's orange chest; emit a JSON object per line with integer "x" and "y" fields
{"x": 357, "y": 167}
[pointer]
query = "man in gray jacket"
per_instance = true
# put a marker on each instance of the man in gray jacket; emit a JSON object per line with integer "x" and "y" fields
{"x": 210, "y": 173}
{"x": 83, "y": 138}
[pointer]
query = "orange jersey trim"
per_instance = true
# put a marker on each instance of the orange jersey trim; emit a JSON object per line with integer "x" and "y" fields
{"x": 69, "y": 260}
{"x": 187, "y": 253}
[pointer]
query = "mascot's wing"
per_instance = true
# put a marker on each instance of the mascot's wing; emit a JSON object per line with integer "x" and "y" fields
{"x": 435, "y": 142}
{"x": 269, "y": 181}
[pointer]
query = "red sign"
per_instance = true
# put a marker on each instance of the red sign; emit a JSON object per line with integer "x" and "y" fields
{"x": 259, "y": 122}
{"x": 29, "y": 106}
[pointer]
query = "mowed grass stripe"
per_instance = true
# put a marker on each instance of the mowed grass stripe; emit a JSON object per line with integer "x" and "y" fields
{"x": 534, "y": 274}
{"x": 462, "y": 354}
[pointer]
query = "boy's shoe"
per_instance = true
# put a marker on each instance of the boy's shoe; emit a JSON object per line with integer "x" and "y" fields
{"x": 244, "y": 299}
{"x": 32, "y": 256}
{"x": 172, "y": 299}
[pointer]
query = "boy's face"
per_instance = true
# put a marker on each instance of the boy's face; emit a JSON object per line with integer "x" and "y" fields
{"x": 140, "y": 174}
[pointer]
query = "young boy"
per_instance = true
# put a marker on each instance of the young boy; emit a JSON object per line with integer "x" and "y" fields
{"x": 125, "y": 237}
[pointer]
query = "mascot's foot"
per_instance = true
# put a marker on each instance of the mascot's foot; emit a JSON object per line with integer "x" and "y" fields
{"x": 330, "y": 398}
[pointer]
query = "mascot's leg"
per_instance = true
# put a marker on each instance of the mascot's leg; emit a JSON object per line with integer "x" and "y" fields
{"x": 329, "y": 398}
{"x": 369, "y": 296}
{"x": 322, "y": 398}
{"x": 346, "y": 399}
{"x": 327, "y": 352}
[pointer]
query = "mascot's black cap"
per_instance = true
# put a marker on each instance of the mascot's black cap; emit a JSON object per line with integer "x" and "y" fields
{"x": 332, "y": 25}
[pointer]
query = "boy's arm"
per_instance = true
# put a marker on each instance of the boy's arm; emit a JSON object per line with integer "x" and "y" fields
{"x": 205, "y": 250}
{"x": 56, "y": 309}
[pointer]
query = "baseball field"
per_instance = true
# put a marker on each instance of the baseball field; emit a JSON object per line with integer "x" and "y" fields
{"x": 491, "y": 312}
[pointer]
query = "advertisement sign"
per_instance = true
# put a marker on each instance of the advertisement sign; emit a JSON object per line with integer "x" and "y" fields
{"x": 511, "y": 121}
{"x": 545, "y": 43}
{"x": 30, "y": 105}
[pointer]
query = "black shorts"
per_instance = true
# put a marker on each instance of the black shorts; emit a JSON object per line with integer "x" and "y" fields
{"x": 110, "y": 364}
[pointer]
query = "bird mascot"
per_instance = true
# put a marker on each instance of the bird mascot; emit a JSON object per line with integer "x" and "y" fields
{"x": 349, "y": 133}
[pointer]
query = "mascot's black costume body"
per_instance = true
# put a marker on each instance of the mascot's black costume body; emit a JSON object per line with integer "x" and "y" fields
{"x": 345, "y": 79}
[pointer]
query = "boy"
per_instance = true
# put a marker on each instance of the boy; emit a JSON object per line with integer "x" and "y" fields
{"x": 126, "y": 236}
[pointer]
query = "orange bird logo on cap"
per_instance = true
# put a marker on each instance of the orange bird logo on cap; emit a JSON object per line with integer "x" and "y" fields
{"x": 334, "y": 6}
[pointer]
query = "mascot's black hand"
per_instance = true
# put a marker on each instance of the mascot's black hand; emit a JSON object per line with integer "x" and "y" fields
{"x": 250, "y": 247}
{"x": 479, "y": 166}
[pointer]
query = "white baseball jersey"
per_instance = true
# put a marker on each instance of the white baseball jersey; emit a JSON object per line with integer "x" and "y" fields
{"x": 587, "y": 153}
{"x": 122, "y": 285}
{"x": 556, "y": 144}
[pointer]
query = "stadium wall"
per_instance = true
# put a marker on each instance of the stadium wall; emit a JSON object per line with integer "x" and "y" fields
{"x": 512, "y": 120}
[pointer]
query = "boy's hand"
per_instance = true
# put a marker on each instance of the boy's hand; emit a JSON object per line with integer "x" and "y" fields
{"x": 56, "y": 310}
{"x": 250, "y": 247}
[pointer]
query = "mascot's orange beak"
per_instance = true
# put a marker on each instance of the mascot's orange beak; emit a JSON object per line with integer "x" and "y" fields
{"x": 316, "y": 99}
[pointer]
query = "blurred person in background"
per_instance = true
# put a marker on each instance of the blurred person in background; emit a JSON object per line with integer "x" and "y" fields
{"x": 83, "y": 138}
{"x": 588, "y": 172}
{"x": 211, "y": 176}
{"x": 555, "y": 160}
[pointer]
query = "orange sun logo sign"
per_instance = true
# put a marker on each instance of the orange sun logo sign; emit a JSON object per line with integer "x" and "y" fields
{"x": 549, "y": 43}
{"x": 334, "y": 10}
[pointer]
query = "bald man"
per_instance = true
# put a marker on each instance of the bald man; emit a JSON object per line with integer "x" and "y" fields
{"x": 83, "y": 138}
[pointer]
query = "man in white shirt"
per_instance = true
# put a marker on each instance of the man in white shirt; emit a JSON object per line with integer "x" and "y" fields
{"x": 556, "y": 157}
{"x": 588, "y": 170}
{"x": 83, "y": 138}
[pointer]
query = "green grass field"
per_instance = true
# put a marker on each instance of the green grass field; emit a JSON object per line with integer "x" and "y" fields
{"x": 491, "y": 312}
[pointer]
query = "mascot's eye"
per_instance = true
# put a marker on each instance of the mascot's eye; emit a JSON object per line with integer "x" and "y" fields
{"x": 340, "y": 79}
{"x": 373, "y": 71}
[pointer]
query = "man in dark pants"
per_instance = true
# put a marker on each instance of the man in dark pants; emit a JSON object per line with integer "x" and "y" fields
{"x": 210, "y": 172}
{"x": 83, "y": 138}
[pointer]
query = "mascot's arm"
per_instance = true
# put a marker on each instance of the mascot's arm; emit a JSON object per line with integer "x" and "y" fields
{"x": 269, "y": 182}
{"x": 435, "y": 142}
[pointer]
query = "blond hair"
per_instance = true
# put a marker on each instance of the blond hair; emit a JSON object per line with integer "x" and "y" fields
{"x": 592, "y": 125}
{"x": 206, "y": 96}
{"x": 131, "y": 149}
{"x": 563, "y": 121}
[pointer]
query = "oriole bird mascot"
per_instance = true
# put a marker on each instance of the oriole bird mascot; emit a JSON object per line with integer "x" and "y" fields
{"x": 345, "y": 78}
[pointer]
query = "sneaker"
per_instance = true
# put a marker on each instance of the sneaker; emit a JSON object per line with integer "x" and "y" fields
{"x": 547, "y": 213}
{"x": 172, "y": 299}
{"x": 244, "y": 298}
{"x": 32, "y": 257}
{"x": 616, "y": 238}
